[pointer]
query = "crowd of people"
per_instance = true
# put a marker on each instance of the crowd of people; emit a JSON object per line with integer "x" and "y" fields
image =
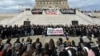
{"x": 68, "y": 11}
{"x": 21, "y": 31}
{"x": 95, "y": 11}
{"x": 63, "y": 11}
{"x": 51, "y": 48}
{"x": 91, "y": 13}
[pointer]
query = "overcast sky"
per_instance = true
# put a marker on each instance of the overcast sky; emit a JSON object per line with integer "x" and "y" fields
{"x": 15, "y": 5}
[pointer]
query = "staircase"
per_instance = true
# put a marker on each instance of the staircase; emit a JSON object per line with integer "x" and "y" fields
{"x": 84, "y": 17}
{"x": 17, "y": 17}
{"x": 48, "y": 19}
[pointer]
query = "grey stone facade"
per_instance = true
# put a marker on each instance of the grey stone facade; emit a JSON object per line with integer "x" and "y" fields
{"x": 44, "y": 4}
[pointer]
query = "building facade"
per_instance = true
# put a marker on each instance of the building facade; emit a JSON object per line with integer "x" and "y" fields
{"x": 45, "y": 4}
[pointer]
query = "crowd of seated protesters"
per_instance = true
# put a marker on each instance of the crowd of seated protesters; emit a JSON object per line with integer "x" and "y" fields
{"x": 91, "y": 12}
{"x": 95, "y": 11}
{"x": 63, "y": 11}
{"x": 51, "y": 48}
{"x": 72, "y": 30}
{"x": 68, "y": 11}
{"x": 37, "y": 11}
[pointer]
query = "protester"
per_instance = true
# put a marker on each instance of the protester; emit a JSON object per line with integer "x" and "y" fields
{"x": 52, "y": 47}
{"x": 37, "y": 45}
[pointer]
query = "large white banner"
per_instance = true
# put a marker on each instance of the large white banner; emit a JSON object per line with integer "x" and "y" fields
{"x": 51, "y": 12}
{"x": 55, "y": 31}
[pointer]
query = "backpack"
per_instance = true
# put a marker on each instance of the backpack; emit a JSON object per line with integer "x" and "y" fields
{"x": 64, "y": 53}
{"x": 84, "y": 53}
{"x": 73, "y": 51}
{"x": 28, "y": 46}
{"x": 17, "y": 45}
{"x": 91, "y": 53}
{"x": 66, "y": 43}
